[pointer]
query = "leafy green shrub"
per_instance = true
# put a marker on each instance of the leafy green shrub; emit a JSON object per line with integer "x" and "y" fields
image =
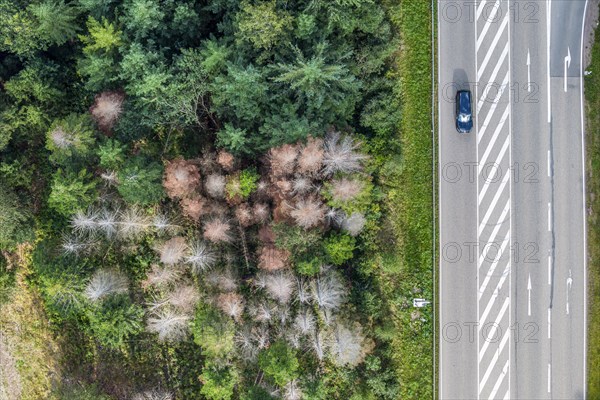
{"x": 15, "y": 221}
{"x": 308, "y": 267}
{"x": 140, "y": 182}
{"x": 71, "y": 138}
{"x": 299, "y": 242}
{"x": 256, "y": 392}
{"x": 112, "y": 154}
{"x": 213, "y": 332}
{"x": 218, "y": 383}
{"x": 339, "y": 248}
{"x": 115, "y": 320}
{"x": 279, "y": 363}
{"x": 81, "y": 391}
{"x": 71, "y": 192}
{"x": 241, "y": 185}
{"x": 7, "y": 281}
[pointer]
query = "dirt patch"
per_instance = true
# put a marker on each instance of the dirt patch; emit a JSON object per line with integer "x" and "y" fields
{"x": 591, "y": 22}
{"x": 10, "y": 380}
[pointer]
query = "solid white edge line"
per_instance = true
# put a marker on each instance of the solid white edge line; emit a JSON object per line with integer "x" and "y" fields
{"x": 510, "y": 198}
{"x": 581, "y": 75}
{"x": 477, "y": 208}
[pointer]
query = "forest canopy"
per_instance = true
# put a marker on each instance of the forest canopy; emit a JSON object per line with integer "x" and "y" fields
{"x": 200, "y": 182}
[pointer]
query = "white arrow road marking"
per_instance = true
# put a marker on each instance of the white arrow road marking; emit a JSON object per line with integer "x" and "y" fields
{"x": 528, "y": 71}
{"x": 567, "y": 65}
{"x": 569, "y": 284}
{"x": 529, "y": 296}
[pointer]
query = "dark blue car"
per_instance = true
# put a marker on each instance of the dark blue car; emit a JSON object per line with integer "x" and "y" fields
{"x": 464, "y": 114}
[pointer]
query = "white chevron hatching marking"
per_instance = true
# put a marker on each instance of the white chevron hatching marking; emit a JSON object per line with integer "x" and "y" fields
{"x": 497, "y": 354}
{"x": 499, "y": 381}
{"x": 494, "y": 137}
{"x": 493, "y": 107}
{"x": 491, "y": 82}
{"x": 488, "y": 23}
{"x": 492, "y": 299}
{"x": 500, "y": 157}
{"x": 490, "y": 51}
{"x": 492, "y": 206}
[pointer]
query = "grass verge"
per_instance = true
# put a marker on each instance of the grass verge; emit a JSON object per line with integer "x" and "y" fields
{"x": 407, "y": 271}
{"x": 592, "y": 96}
{"x": 27, "y": 340}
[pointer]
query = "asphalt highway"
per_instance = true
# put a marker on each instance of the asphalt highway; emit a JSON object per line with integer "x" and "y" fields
{"x": 511, "y": 201}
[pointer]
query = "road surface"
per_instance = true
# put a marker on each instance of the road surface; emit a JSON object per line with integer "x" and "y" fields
{"x": 511, "y": 201}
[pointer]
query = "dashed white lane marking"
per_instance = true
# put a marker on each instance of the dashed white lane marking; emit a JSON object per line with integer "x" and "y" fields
{"x": 549, "y": 270}
{"x": 549, "y": 166}
{"x": 549, "y": 217}
{"x": 549, "y": 323}
{"x": 549, "y": 377}
{"x": 488, "y": 22}
{"x": 490, "y": 51}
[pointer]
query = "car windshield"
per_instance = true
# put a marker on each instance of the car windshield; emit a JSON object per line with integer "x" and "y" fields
{"x": 464, "y": 117}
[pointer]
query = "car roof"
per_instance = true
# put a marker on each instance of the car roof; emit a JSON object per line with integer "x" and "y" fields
{"x": 464, "y": 101}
